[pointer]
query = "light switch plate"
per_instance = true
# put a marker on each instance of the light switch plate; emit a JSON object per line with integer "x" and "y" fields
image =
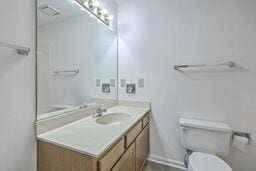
{"x": 98, "y": 82}
{"x": 131, "y": 89}
{"x": 123, "y": 82}
{"x": 105, "y": 88}
{"x": 141, "y": 82}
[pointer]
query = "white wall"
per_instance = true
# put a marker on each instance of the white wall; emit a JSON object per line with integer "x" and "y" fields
{"x": 155, "y": 35}
{"x": 80, "y": 43}
{"x": 17, "y": 87}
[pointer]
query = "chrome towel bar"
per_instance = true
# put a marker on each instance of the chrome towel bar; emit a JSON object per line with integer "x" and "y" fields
{"x": 67, "y": 71}
{"x": 20, "y": 50}
{"x": 229, "y": 64}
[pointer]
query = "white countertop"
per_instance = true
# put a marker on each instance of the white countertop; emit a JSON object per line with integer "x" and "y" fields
{"x": 88, "y": 137}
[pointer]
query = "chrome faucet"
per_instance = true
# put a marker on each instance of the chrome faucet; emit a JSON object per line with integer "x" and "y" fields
{"x": 99, "y": 111}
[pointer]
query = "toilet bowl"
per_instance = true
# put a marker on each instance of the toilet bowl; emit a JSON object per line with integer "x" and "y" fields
{"x": 206, "y": 162}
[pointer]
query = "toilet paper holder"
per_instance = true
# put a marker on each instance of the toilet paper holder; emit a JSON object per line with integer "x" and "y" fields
{"x": 243, "y": 134}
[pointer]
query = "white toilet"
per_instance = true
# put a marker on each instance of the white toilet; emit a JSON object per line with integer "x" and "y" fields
{"x": 207, "y": 140}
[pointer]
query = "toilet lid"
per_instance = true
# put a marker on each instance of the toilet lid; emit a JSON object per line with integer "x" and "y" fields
{"x": 206, "y": 162}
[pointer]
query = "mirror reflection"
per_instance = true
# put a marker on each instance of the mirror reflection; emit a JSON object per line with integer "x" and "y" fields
{"x": 76, "y": 57}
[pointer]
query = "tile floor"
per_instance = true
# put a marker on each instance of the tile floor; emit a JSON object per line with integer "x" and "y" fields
{"x": 151, "y": 166}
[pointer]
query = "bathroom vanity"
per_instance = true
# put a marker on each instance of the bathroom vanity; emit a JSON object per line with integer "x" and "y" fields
{"x": 118, "y": 140}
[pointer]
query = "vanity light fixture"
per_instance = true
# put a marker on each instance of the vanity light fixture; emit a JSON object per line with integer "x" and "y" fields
{"x": 92, "y": 7}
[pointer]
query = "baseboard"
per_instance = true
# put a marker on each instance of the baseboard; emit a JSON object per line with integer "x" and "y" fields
{"x": 166, "y": 161}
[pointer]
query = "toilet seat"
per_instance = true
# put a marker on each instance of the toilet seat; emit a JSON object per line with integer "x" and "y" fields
{"x": 206, "y": 162}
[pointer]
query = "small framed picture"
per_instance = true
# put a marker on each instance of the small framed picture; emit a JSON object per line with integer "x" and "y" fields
{"x": 105, "y": 88}
{"x": 130, "y": 88}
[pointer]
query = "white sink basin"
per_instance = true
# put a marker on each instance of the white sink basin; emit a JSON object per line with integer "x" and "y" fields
{"x": 113, "y": 118}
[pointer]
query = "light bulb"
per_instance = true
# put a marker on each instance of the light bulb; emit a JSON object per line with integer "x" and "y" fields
{"x": 95, "y": 3}
{"x": 104, "y": 11}
{"x": 111, "y": 17}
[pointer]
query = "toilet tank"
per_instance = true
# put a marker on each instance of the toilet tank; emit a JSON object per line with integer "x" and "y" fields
{"x": 205, "y": 136}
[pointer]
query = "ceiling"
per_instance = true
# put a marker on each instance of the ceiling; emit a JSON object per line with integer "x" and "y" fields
{"x": 65, "y": 8}
{"x": 120, "y": 1}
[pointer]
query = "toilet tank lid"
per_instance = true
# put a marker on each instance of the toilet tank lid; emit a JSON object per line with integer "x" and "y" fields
{"x": 204, "y": 124}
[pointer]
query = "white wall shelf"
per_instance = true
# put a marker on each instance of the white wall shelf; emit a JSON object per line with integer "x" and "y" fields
{"x": 229, "y": 64}
{"x": 20, "y": 50}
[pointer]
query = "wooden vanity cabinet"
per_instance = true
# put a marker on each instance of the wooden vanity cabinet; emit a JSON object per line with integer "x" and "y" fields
{"x": 129, "y": 153}
{"x": 142, "y": 148}
{"x": 53, "y": 158}
{"x": 139, "y": 137}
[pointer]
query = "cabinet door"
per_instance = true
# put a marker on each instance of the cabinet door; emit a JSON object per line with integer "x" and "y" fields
{"x": 142, "y": 148}
{"x": 127, "y": 161}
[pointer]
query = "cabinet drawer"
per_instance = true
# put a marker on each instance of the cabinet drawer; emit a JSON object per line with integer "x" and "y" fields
{"x": 108, "y": 161}
{"x": 133, "y": 133}
{"x": 145, "y": 120}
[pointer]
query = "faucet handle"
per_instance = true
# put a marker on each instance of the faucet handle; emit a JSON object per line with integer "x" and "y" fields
{"x": 100, "y": 108}
{"x": 99, "y": 111}
{"x": 103, "y": 108}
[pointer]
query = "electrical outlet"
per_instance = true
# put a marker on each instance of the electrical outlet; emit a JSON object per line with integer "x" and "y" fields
{"x": 141, "y": 82}
{"x": 130, "y": 88}
{"x": 98, "y": 82}
{"x": 123, "y": 82}
{"x": 105, "y": 88}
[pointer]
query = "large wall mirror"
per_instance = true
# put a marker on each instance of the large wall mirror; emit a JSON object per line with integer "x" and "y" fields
{"x": 76, "y": 55}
